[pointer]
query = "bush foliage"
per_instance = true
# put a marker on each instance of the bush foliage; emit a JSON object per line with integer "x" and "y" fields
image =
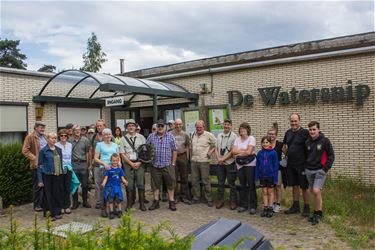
{"x": 128, "y": 235}
{"x": 15, "y": 175}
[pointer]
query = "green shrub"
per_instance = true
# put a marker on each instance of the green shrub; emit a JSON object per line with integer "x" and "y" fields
{"x": 15, "y": 175}
{"x": 128, "y": 235}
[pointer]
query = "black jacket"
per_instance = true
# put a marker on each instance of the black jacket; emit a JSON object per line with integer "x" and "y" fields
{"x": 319, "y": 153}
{"x": 296, "y": 147}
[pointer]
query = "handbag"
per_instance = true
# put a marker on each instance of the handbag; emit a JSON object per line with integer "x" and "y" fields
{"x": 283, "y": 162}
{"x": 244, "y": 160}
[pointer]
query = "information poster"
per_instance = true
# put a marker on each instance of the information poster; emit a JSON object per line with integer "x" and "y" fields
{"x": 216, "y": 117}
{"x": 190, "y": 118}
{"x": 121, "y": 124}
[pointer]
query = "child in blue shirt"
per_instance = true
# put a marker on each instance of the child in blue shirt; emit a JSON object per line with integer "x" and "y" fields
{"x": 112, "y": 185}
{"x": 266, "y": 172}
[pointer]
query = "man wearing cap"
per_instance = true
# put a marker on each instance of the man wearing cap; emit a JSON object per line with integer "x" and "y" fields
{"x": 170, "y": 125}
{"x": 183, "y": 145}
{"x": 226, "y": 168}
{"x": 134, "y": 169}
{"x": 202, "y": 147}
{"x": 81, "y": 163}
{"x": 164, "y": 164}
{"x": 31, "y": 147}
{"x": 69, "y": 129}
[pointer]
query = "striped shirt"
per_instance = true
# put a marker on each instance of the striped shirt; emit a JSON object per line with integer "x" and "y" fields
{"x": 163, "y": 148}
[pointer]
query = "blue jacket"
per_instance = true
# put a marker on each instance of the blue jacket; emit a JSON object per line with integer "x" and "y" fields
{"x": 46, "y": 163}
{"x": 267, "y": 165}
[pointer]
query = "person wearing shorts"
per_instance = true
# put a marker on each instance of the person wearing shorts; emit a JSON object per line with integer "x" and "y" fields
{"x": 267, "y": 173}
{"x": 320, "y": 157}
{"x": 294, "y": 147}
{"x": 164, "y": 164}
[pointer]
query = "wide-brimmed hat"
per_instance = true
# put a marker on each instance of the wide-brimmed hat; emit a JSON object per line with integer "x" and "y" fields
{"x": 91, "y": 130}
{"x": 130, "y": 121}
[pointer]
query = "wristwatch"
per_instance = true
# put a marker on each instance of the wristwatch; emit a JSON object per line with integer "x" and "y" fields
{"x": 173, "y": 165}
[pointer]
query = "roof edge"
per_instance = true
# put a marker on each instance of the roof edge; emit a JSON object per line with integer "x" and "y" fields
{"x": 283, "y": 51}
{"x": 25, "y": 72}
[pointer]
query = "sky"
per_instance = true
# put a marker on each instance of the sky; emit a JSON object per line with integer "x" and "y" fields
{"x": 151, "y": 33}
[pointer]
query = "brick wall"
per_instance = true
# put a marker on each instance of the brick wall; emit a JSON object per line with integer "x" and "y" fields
{"x": 350, "y": 127}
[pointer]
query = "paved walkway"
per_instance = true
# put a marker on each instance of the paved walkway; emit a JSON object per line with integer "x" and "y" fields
{"x": 285, "y": 232}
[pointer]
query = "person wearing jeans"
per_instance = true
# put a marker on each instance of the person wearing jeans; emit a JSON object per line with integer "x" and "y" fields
{"x": 245, "y": 145}
{"x": 226, "y": 168}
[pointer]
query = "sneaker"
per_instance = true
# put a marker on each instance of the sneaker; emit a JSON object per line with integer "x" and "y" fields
{"x": 62, "y": 210}
{"x": 104, "y": 213}
{"x": 264, "y": 212}
{"x": 67, "y": 211}
{"x": 269, "y": 212}
{"x": 294, "y": 209}
{"x": 111, "y": 215}
{"x": 155, "y": 205}
{"x": 119, "y": 213}
{"x": 253, "y": 211}
{"x": 58, "y": 216}
{"x": 316, "y": 219}
{"x": 241, "y": 209}
{"x": 276, "y": 208}
{"x": 38, "y": 209}
{"x": 306, "y": 211}
{"x": 172, "y": 205}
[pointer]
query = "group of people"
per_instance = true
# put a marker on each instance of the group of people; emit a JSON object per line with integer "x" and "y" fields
{"x": 301, "y": 161}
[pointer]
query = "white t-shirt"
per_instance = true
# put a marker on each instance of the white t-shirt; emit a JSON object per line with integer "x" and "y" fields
{"x": 240, "y": 144}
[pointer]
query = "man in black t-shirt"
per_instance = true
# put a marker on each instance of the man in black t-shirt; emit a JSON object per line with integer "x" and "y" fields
{"x": 294, "y": 147}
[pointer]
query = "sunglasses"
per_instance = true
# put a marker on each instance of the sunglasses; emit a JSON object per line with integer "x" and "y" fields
{"x": 63, "y": 135}
{"x": 160, "y": 125}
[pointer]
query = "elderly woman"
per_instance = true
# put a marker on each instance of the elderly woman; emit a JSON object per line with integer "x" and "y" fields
{"x": 50, "y": 177}
{"x": 103, "y": 153}
{"x": 66, "y": 149}
{"x": 244, "y": 146}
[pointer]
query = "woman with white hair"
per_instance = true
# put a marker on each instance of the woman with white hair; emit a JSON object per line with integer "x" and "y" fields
{"x": 103, "y": 153}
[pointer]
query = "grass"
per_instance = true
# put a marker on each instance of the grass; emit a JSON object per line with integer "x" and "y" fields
{"x": 348, "y": 206}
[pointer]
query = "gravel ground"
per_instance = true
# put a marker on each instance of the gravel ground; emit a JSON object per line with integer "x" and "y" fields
{"x": 284, "y": 231}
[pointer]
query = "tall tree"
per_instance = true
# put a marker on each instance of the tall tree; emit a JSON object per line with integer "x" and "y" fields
{"x": 47, "y": 68}
{"x": 10, "y": 55}
{"x": 94, "y": 57}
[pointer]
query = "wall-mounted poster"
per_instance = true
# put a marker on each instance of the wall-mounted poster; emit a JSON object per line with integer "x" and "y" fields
{"x": 121, "y": 124}
{"x": 190, "y": 118}
{"x": 216, "y": 117}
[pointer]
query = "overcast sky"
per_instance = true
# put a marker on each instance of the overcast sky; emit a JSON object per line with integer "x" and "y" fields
{"x": 149, "y": 34}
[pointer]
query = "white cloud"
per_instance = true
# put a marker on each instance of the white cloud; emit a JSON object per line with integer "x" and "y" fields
{"x": 151, "y": 34}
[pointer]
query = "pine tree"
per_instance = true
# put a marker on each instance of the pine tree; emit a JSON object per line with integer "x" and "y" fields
{"x": 10, "y": 55}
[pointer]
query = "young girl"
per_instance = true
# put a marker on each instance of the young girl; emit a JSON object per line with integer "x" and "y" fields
{"x": 266, "y": 172}
{"x": 112, "y": 185}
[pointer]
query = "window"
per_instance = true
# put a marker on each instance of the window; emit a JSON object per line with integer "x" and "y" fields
{"x": 13, "y": 123}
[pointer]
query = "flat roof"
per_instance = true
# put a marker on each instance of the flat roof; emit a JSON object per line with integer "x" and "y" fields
{"x": 283, "y": 51}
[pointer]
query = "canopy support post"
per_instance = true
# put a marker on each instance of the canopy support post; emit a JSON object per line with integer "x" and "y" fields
{"x": 155, "y": 108}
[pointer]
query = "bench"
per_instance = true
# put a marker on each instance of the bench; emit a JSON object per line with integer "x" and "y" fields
{"x": 225, "y": 232}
